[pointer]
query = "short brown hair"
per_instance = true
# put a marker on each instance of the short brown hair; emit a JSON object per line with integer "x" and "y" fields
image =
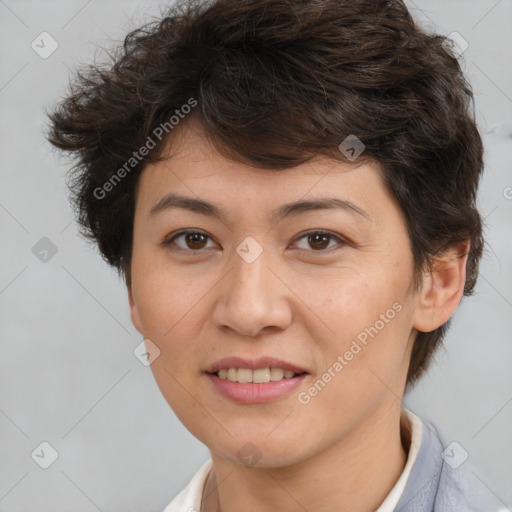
{"x": 278, "y": 82}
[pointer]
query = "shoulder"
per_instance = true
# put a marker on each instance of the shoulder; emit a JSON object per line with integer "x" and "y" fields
{"x": 460, "y": 487}
{"x": 444, "y": 480}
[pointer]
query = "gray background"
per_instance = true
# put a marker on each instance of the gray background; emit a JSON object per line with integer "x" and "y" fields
{"x": 68, "y": 375}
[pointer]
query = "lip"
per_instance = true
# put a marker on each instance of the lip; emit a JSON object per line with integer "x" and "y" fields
{"x": 255, "y": 393}
{"x": 262, "y": 362}
{"x": 250, "y": 393}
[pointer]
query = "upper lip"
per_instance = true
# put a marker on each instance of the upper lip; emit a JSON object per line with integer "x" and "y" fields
{"x": 254, "y": 364}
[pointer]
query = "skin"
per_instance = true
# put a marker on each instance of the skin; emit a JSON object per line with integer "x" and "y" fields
{"x": 342, "y": 451}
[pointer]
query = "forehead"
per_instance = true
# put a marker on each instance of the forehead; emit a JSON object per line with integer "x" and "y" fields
{"x": 193, "y": 167}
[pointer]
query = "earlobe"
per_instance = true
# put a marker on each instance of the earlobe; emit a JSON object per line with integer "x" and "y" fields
{"x": 134, "y": 312}
{"x": 442, "y": 288}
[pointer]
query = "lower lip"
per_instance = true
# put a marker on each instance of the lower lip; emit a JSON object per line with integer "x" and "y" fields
{"x": 250, "y": 393}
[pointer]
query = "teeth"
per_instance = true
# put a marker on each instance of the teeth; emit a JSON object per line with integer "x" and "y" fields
{"x": 276, "y": 374}
{"x": 259, "y": 376}
{"x": 244, "y": 375}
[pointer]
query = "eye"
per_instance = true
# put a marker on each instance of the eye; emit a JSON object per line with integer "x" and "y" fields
{"x": 193, "y": 240}
{"x": 319, "y": 240}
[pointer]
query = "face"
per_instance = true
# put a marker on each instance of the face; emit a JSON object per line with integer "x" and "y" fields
{"x": 324, "y": 292}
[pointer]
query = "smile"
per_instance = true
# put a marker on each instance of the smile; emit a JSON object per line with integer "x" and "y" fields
{"x": 258, "y": 376}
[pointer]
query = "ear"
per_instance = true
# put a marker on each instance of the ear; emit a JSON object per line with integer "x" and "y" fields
{"x": 442, "y": 288}
{"x": 134, "y": 312}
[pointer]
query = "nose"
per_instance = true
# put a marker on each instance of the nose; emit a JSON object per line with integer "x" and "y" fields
{"x": 252, "y": 297}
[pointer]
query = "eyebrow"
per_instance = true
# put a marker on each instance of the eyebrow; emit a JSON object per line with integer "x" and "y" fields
{"x": 212, "y": 210}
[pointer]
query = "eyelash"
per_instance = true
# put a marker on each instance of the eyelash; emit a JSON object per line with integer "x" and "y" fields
{"x": 342, "y": 242}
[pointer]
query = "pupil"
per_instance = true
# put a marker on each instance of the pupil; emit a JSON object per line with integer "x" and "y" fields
{"x": 314, "y": 238}
{"x": 193, "y": 239}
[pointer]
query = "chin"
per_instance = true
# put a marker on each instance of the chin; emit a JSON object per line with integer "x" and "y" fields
{"x": 260, "y": 451}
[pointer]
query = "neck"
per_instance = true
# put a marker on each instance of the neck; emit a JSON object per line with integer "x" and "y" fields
{"x": 356, "y": 473}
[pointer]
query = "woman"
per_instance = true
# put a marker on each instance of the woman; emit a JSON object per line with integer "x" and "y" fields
{"x": 288, "y": 189}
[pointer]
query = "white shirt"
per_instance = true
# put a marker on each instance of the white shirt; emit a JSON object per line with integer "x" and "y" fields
{"x": 189, "y": 499}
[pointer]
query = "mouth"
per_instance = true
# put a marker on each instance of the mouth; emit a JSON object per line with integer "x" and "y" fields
{"x": 259, "y": 371}
{"x": 258, "y": 376}
{"x": 255, "y": 381}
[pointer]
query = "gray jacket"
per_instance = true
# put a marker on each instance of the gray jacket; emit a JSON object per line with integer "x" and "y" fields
{"x": 442, "y": 481}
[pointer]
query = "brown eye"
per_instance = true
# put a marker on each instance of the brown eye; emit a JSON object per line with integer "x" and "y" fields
{"x": 319, "y": 241}
{"x": 195, "y": 240}
{"x": 192, "y": 241}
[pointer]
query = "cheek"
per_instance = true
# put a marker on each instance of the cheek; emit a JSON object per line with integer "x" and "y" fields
{"x": 368, "y": 321}
{"x": 352, "y": 303}
{"x": 361, "y": 364}
{"x": 171, "y": 310}
{"x": 169, "y": 305}
{"x": 168, "y": 298}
